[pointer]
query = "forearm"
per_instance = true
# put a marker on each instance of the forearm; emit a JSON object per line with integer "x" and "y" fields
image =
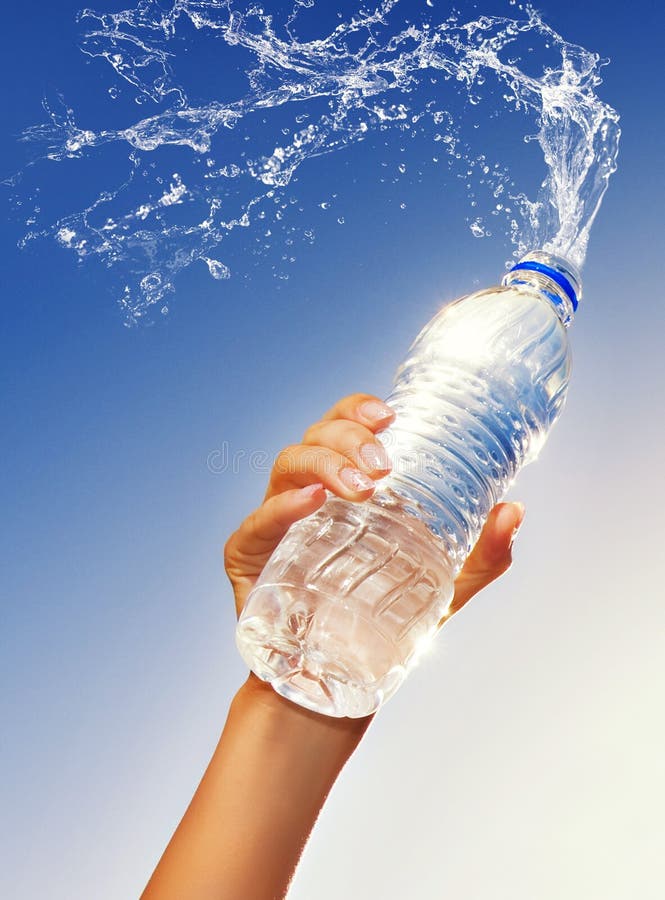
{"x": 243, "y": 833}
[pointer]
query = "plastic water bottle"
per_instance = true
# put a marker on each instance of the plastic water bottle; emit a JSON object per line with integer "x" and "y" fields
{"x": 355, "y": 592}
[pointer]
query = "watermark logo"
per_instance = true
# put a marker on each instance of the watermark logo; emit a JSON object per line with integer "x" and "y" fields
{"x": 228, "y": 459}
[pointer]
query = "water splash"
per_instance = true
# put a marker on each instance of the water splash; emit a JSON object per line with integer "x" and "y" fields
{"x": 302, "y": 96}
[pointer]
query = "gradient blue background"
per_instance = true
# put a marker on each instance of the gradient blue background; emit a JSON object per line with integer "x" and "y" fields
{"x": 524, "y": 758}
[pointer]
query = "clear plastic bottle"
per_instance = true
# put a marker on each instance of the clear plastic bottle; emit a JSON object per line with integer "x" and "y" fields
{"x": 355, "y": 592}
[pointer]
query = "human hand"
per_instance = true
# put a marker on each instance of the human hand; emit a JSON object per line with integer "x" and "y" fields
{"x": 243, "y": 832}
{"x": 342, "y": 454}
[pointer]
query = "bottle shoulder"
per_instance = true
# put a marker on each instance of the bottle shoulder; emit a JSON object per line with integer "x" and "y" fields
{"x": 499, "y": 319}
{"x": 508, "y": 342}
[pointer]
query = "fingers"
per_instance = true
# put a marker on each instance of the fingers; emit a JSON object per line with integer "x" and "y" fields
{"x": 354, "y": 441}
{"x": 363, "y": 408}
{"x": 250, "y": 546}
{"x": 341, "y": 451}
{"x": 301, "y": 464}
{"x": 492, "y": 555}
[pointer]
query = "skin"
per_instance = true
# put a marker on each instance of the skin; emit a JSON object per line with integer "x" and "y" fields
{"x": 245, "y": 829}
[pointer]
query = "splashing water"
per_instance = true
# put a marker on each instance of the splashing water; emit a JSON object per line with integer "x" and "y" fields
{"x": 373, "y": 73}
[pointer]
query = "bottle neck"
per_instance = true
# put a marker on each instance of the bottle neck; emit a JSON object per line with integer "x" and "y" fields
{"x": 553, "y": 277}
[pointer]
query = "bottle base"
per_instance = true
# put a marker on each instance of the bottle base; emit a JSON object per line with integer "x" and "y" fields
{"x": 302, "y": 656}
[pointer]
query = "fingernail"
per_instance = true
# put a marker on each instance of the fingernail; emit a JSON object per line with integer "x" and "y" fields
{"x": 311, "y": 489}
{"x": 375, "y": 457}
{"x": 355, "y": 480}
{"x": 520, "y": 518}
{"x": 375, "y": 411}
{"x": 518, "y": 524}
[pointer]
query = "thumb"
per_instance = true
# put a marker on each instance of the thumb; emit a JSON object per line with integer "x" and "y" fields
{"x": 492, "y": 555}
{"x": 249, "y": 548}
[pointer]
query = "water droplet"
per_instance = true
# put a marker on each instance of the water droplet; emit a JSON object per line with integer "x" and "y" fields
{"x": 477, "y": 229}
{"x": 217, "y": 269}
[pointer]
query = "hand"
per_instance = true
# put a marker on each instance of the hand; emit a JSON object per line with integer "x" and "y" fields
{"x": 341, "y": 453}
{"x": 275, "y": 763}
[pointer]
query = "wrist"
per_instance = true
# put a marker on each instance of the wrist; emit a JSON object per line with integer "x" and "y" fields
{"x": 297, "y": 725}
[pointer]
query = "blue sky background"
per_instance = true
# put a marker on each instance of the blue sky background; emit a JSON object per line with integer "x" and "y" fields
{"x": 524, "y": 758}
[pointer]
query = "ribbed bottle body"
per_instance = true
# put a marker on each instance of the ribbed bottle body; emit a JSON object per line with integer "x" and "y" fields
{"x": 355, "y": 592}
{"x": 475, "y": 398}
